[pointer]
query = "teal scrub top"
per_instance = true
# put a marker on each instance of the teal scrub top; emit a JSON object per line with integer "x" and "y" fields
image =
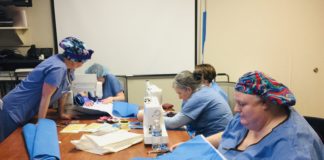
{"x": 215, "y": 86}
{"x": 209, "y": 111}
{"x": 22, "y": 103}
{"x": 293, "y": 139}
{"x": 111, "y": 86}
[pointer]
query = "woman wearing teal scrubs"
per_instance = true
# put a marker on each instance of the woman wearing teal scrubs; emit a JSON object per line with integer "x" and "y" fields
{"x": 203, "y": 110}
{"x": 47, "y": 83}
{"x": 207, "y": 74}
{"x": 266, "y": 125}
{"x": 112, "y": 90}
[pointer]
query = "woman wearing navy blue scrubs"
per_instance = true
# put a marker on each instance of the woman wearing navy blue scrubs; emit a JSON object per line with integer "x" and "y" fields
{"x": 47, "y": 83}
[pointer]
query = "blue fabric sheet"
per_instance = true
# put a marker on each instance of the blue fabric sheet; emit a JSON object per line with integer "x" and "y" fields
{"x": 196, "y": 148}
{"x": 125, "y": 110}
{"x": 41, "y": 140}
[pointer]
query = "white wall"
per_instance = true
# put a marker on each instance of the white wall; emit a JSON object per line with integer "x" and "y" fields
{"x": 282, "y": 38}
{"x": 136, "y": 90}
{"x": 39, "y": 20}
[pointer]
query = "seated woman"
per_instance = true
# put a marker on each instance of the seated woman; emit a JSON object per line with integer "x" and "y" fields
{"x": 266, "y": 125}
{"x": 112, "y": 89}
{"x": 203, "y": 111}
{"x": 207, "y": 74}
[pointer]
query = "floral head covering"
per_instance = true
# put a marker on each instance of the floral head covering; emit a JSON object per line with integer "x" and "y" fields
{"x": 257, "y": 83}
{"x": 98, "y": 69}
{"x": 75, "y": 50}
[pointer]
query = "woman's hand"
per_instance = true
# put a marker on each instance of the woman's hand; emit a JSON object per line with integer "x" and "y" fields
{"x": 173, "y": 147}
{"x": 107, "y": 100}
{"x": 140, "y": 115}
{"x": 65, "y": 116}
{"x": 88, "y": 103}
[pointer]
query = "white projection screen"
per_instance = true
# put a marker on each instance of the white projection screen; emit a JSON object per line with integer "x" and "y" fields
{"x": 132, "y": 37}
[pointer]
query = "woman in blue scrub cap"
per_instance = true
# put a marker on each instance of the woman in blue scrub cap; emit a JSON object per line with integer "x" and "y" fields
{"x": 47, "y": 83}
{"x": 266, "y": 125}
{"x": 112, "y": 90}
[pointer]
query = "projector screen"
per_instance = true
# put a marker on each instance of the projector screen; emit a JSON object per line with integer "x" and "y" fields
{"x": 132, "y": 37}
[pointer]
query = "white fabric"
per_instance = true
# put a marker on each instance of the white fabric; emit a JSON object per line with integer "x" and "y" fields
{"x": 97, "y": 108}
{"x": 111, "y": 142}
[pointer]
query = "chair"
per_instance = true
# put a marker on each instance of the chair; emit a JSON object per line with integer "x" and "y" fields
{"x": 317, "y": 124}
{"x": 123, "y": 80}
{"x": 228, "y": 87}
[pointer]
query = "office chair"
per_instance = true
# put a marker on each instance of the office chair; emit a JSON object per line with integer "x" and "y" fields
{"x": 123, "y": 80}
{"x": 228, "y": 87}
{"x": 317, "y": 124}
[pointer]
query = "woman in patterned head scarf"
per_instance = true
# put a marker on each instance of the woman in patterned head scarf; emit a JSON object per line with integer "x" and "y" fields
{"x": 266, "y": 125}
{"x": 46, "y": 84}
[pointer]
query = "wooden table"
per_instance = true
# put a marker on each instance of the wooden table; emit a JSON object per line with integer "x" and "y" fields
{"x": 14, "y": 147}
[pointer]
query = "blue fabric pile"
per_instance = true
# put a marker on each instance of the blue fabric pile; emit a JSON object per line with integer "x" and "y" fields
{"x": 196, "y": 148}
{"x": 125, "y": 110}
{"x": 41, "y": 140}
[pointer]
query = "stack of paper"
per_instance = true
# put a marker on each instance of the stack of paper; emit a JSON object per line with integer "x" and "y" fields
{"x": 93, "y": 127}
{"x": 73, "y": 128}
{"x": 111, "y": 142}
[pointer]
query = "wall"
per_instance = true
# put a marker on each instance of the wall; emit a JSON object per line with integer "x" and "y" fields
{"x": 39, "y": 20}
{"x": 136, "y": 90}
{"x": 282, "y": 38}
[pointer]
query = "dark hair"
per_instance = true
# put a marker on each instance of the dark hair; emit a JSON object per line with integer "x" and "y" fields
{"x": 205, "y": 71}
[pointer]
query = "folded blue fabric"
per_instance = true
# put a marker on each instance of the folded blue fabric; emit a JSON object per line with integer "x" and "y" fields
{"x": 41, "y": 140}
{"x": 125, "y": 110}
{"x": 196, "y": 148}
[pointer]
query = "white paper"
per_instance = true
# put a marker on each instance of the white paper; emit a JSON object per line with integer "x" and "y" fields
{"x": 111, "y": 142}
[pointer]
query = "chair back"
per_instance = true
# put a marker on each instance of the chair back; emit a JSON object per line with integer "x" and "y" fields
{"x": 317, "y": 124}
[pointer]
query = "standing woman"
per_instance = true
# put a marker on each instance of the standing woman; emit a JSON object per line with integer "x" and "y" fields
{"x": 47, "y": 83}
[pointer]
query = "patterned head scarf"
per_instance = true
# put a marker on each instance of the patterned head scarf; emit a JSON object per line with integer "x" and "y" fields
{"x": 257, "y": 83}
{"x": 75, "y": 50}
{"x": 98, "y": 69}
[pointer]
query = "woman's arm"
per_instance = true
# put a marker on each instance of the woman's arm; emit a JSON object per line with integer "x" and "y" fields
{"x": 119, "y": 97}
{"x": 61, "y": 107}
{"x": 215, "y": 139}
{"x": 177, "y": 121}
{"x": 47, "y": 93}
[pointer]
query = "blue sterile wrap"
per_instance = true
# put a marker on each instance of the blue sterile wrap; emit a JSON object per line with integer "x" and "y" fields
{"x": 41, "y": 140}
{"x": 195, "y": 148}
{"x": 125, "y": 110}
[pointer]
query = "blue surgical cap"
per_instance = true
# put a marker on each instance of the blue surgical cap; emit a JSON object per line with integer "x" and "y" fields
{"x": 98, "y": 69}
{"x": 75, "y": 49}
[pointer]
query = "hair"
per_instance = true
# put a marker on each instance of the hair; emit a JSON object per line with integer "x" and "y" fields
{"x": 186, "y": 79}
{"x": 205, "y": 71}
